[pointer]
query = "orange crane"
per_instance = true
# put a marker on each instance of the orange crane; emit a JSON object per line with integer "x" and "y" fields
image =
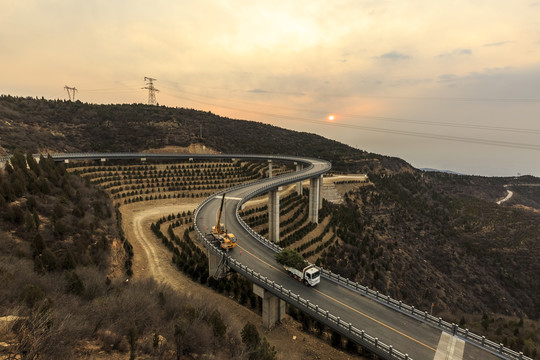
{"x": 226, "y": 240}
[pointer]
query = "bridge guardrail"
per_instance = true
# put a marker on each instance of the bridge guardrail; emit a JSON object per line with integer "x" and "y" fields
{"x": 425, "y": 317}
{"x": 360, "y": 336}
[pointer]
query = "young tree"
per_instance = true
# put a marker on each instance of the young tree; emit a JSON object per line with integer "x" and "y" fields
{"x": 250, "y": 336}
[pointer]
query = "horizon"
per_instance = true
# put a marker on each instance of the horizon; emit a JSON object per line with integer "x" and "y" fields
{"x": 426, "y": 169}
{"x": 451, "y": 86}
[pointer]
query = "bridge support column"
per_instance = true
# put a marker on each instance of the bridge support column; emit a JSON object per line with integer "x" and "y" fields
{"x": 273, "y": 215}
{"x": 320, "y": 191}
{"x": 269, "y": 168}
{"x": 314, "y": 194}
{"x": 216, "y": 268}
{"x": 273, "y": 308}
{"x": 299, "y": 188}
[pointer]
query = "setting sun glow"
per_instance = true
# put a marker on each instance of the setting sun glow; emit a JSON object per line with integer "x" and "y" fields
{"x": 331, "y": 117}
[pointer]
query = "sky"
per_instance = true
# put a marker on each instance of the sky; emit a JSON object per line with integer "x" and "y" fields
{"x": 450, "y": 85}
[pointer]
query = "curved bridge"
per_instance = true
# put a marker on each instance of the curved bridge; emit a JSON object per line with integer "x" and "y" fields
{"x": 387, "y": 327}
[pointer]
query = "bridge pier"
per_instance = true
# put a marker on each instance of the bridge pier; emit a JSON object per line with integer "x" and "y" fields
{"x": 314, "y": 195}
{"x": 320, "y": 191}
{"x": 299, "y": 188}
{"x": 273, "y": 214}
{"x": 216, "y": 265}
{"x": 269, "y": 168}
{"x": 273, "y": 308}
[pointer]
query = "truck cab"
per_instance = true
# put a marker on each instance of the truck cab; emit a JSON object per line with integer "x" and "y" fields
{"x": 312, "y": 276}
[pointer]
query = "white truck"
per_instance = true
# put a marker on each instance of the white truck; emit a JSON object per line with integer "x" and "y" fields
{"x": 310, "y": 275}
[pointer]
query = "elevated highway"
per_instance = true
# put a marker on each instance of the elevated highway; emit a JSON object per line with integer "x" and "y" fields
{"x": 387, "y": 327}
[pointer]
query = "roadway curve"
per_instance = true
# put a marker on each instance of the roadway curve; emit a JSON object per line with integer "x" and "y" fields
{"x": 406, "y": 334}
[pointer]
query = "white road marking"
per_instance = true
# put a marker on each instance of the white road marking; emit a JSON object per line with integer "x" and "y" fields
{"x": 219, "y": 197}
{"x": 449, "y": 348}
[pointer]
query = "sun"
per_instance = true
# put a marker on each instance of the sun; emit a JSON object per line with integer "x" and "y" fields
{"x": 331, "y": 117}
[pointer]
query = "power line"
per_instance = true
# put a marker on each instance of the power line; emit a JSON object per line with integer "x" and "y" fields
{"x": 420, "y": 98}
{"x": 383, "y": 118}
{"x": 471, "y": 140}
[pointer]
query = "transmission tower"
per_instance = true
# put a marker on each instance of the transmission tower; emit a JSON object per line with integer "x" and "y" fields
{"x": 71, "y": 92}
{"x": 151, "y": 90}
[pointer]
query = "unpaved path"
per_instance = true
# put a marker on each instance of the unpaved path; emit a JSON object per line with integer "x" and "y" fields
{"x": 152, "y": 259}
{"x": 509, "y": 195}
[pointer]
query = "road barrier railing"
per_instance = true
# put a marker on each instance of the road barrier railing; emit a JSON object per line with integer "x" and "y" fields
{"x": 345, "y": 328}
{"x": 423, "y": 316}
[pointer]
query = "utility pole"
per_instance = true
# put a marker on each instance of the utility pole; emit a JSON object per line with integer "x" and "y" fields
{"x": 71, "y": 92}
{"x": 151, "y": 90}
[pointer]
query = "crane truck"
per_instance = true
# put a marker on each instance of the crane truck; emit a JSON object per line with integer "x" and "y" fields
{"x": 295, "y": 265}
{"x": 219, "y": 234}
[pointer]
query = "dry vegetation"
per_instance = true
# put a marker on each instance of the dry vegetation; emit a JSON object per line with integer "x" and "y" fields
{"x": 428, "y": 238}
{"x": 62, "y": 297}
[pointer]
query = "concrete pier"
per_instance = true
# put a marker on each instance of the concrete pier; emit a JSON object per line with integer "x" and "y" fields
{"x": 314, "y": 195}
{"x": 273, "y": 215}
{"x": 321, "y": 180}
{"x": 299, "y": 188}
{"x": 216, "y": 267}
{"x": 269, "y": 168}
{"x": 273, "y": 308}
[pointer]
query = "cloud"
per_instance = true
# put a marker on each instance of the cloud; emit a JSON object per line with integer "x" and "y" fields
{"x": 456, "y": 52}
{"x": 262, "y": 91}
{"x": 499, "y": 43}
{"x": 393, "y": 56}
{"x": 485, "y": 74}
{"x": 448, "y": 78}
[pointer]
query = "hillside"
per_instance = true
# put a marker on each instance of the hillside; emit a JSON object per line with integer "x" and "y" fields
{"x": 66, "y": 293}
{"x": 35, "y": 125}
{"x": 423, "y": 241}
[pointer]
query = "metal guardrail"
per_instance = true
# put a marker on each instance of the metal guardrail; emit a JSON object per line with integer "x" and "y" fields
{"x": 358, "y": 335}
{"x": 425, "y": 317}
{"x": 345, "y": 328}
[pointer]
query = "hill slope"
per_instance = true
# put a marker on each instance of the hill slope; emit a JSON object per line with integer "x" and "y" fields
{"x": 35, "y": 125}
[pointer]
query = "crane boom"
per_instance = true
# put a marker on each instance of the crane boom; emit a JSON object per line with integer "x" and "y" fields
{"x": 226, "y": 240}
{"x": 219, "y": 229}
